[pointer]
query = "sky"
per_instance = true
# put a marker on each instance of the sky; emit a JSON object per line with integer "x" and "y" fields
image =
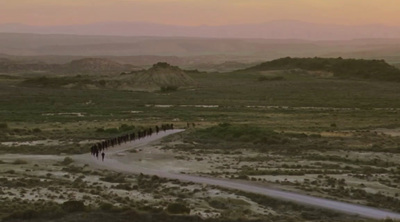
{"x": 199, "y": 12}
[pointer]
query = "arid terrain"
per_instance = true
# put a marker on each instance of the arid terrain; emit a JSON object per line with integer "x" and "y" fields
{"x": 86, "y": 180}
{"x": 309, "y": 126}
{"x": 199, "y": 111}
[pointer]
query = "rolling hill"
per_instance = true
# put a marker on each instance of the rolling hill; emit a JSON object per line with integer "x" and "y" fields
{"x": 160, "y": 76}
{"x": 339, "y": 67}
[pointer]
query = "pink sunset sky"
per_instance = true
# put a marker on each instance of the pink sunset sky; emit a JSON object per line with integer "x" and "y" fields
{"x": 199, "y": 12}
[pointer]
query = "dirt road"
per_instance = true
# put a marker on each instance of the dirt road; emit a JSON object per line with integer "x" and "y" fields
{"x": 112, "y": 163}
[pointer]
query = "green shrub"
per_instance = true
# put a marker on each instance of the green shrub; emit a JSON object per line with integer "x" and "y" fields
{"x": 177, "y": 208}
{"x": 59, "y": 81}
{"x": 102, "y": 82}
{"x": 111, "y": 130}
{"x": 217, "y": 204}
{"x": 19, "y": 162}
{"x": 270, "y": 78}
{"x": 168, "y": 88}
{"x": 114, "y": 178}
{"x": 73, "y": 169}
{"x": 67, "y": 160}
{"x": 125, "y": 127}
{"x": 73, "y": 206}
{"x": 242, "y": 133}
{"x": 36, "y": 130}
{"x": 123, "y": 186}
{"x": 100, "y": 130}
{"x": 106, "y": 206}
{"x": 3, "y": 126}
{"x": 28, "y": 214}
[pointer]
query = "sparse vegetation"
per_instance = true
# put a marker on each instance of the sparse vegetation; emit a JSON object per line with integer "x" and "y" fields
{"x": 73, "y": 206}
{"x": 241, "y": 133}
{"x": 114, "y": 178}
{"x": 270, "y": 78}
{"x": 329, "y": 137}
{"x": 177, "y": 208}
{"x": 169, "y": 88}
{"x": 3, "y": 126}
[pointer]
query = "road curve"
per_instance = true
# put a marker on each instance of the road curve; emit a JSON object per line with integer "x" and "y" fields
{"x": 114, "y": 164}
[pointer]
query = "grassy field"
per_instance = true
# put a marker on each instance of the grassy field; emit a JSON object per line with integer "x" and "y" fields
{"x": 301, "y": 131}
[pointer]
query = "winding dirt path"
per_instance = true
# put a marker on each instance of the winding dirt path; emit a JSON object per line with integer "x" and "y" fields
{"x": 111, "y": 162}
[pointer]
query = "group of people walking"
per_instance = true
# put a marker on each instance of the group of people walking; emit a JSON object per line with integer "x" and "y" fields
{"x": 100, "y": 147}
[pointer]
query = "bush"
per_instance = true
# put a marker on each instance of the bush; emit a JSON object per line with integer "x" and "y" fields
{"x": 73, "y": 206}
{"x": 67, "y": 160}
{"x": 3, "y": 126}
{"x": 24, "y": 215}
{"x": 270, "y": 78}
{"x": 100, "y": 130}
{"x": 123, "y": 186}
{"x": 242, "y": 133}
{"x": 19, "y": 162}
{"x": 177, "y": 208}
{"x": 37, "y": 211}
{"x": 73, "y": 169}
{"x": 102, "y": 82}
{"x": 125, "y": 127}
{"x": 36, "y": 130}
{"x": 106, "y": 206}
{"x": 217, "y": 204}
{"x": 168, "y": 88}
{"x": 114, "y": 178}
{"x": 111, "y": 130}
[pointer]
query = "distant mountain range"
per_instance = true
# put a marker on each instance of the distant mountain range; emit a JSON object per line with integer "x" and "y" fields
{"x": 60, "y": 48}
{"x": 286, "y": 29}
